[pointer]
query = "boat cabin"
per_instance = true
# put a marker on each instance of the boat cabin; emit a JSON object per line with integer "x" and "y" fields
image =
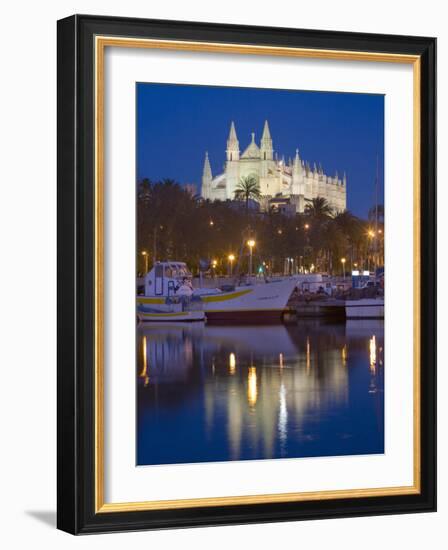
{"x": 167, "y": 279}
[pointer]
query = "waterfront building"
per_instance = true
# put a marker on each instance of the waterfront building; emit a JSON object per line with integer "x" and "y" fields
{"x": 286, "y": 186}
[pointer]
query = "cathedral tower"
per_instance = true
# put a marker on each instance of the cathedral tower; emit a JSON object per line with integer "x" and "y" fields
{"x": 232, "y": 164}
{"x": 207, "y": 177}
{"x": 233, "y": 147}
{"x": 297, "y": 184}
{"x": 266, "y": 148}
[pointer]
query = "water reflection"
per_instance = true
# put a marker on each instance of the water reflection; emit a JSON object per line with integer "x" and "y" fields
{"x": 213, "y": 393}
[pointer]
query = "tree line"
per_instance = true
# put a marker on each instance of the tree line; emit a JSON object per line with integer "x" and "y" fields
{"x": 174, "y": 224}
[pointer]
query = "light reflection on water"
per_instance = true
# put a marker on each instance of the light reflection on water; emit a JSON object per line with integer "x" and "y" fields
{"x": 214, "y": 393}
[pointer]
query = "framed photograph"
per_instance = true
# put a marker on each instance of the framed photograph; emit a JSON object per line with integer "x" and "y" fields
{"x": 246, "y": 274}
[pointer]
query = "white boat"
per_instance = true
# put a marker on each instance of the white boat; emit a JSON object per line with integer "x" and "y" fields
{"x": 365, "y": 308}
{"x": 173, "y": 315}
{"x": 263, "y": 301}
{"x": 173, "y": 308}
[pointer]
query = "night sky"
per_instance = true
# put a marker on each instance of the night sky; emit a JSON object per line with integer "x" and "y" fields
{"x": 176, "y": 124}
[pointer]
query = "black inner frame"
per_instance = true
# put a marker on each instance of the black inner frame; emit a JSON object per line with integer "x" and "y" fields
{"x": 76, "y": 444}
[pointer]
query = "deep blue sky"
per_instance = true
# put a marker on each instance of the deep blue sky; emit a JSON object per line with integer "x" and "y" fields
{"x": 176, "y": 124}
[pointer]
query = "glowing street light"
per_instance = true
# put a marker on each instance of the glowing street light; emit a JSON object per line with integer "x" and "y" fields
{"x": 307, "y": 226}
{"x": 250, "y": 244}
{"x": 371, "y": 233}
{"x": 146, "y": 256}
{"x": 231, "y": 259}
{"x": 343, "y": 260}
{"x": 211, "y": 223}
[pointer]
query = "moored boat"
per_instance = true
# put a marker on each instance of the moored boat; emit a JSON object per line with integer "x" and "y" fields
{"x": 259, "y": 302}
{"x": 150, "y": 315}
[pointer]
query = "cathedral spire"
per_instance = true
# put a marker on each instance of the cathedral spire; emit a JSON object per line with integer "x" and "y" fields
{"x": 233, "y": 147}
{"x": 266, "y": 148}
{"x": 232, "y": 133}
{"x": 266, "y": 133}
{"x": 207, "y": 172}
{"x": 207, "y": 177}
{"x": 297, "y": 163}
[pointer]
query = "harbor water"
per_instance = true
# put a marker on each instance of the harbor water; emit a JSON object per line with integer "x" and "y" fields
{"x": 216, "y": 393}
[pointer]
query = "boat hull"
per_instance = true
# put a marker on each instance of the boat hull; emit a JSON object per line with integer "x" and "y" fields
{"x": 262, "y": 302}
{"x": 254, "y": 303}
{"x": 364, "y": 309}
{"x": 181, "y": 316}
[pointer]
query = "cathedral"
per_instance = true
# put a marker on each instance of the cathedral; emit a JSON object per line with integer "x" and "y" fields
{"x": 284, "y": 186}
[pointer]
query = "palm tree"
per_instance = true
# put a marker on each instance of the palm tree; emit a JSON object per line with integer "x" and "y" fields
{"x": 350, "y": 230}
{"x": 319, "y": 213}
{"x": 248, "y": 188}
{"x": 350, "y": 225}
{"x": 319, "y": 208}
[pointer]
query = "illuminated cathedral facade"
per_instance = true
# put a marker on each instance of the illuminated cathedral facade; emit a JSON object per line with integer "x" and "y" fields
{"x": 286, "y": 186}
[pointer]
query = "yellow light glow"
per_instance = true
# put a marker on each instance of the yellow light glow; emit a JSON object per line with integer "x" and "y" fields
{"x": 212, "y": 222}
{"x": 232, "y": 363}
{"x": 251, "y": 243}
{"x": 372, "y": 349}
{"x": 252, "y": 392}
{"x": 144, "y": 253}
{"x": 231, "y": 257}
{"x": 307, "y": 226}
{"x": 344, "y": 354}
{"x": 308, "y": 356}
{"x": 144, "y": 373}
{"x": 343, "y": 260}
{"x": 371, "y": 233}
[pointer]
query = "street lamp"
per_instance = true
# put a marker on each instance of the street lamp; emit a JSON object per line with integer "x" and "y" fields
{"x": 343, "y": 260}
{"x": 214, "y": 265}
{"x": 250, "y": 244}
{"x": 307, "y": 226}
{"x": 231, "y": 258}
{"x": 145, "y": 255}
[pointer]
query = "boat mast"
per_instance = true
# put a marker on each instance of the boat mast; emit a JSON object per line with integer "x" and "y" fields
{"x": 376, "y": 215}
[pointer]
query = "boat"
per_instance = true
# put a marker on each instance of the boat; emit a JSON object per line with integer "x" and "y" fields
{"x": 256, "y": 302}
{"x": 151, "y": 315}
{"x": 181, "y": 308}
{"x": 365, "y": 308}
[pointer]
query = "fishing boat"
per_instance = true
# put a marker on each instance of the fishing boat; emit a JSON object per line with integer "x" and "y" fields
{"x": 177, "y": 306}
{"x": 365, "y": 308}
{"x": 258, "y": 302}
{"x": 171, "y": 312}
